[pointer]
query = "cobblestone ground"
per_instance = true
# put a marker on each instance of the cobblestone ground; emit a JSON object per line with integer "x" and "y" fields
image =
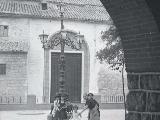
{"x": 42, "y": 115}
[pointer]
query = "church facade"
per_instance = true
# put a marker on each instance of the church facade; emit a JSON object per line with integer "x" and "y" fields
{"x": 28, "y": 69}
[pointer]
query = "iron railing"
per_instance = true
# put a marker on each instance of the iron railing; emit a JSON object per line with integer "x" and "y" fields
{"x": 112, "y": 99}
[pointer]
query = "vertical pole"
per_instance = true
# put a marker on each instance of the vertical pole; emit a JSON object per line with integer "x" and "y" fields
{"x": 61, "y": 17}
{"x": 62, "y": 59}
{"x": 124, "y": 96}
{"x": 62, "y": 69}
{"x": 44, "y": 70}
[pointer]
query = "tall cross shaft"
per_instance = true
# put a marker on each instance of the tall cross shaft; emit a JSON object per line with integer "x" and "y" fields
{"x": 62, "y": 58}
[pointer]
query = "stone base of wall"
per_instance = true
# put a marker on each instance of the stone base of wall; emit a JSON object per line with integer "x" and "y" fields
{"x": 143, "y": 99}
{"x": 31, "y": 99}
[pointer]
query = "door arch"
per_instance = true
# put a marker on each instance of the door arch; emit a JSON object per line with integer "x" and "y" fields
{"x": 85, "y": 66}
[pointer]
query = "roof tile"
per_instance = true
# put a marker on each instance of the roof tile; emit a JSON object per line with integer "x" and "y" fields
{"x": 75, "y": 9}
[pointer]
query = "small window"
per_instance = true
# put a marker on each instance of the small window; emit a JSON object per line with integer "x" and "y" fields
{"x": 3, "y": 31}
{"x": 44, "y": 6}
{"x": 2, "y": 69}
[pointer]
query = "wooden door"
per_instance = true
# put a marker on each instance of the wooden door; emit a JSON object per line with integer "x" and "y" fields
{"x": 73, "y": 68}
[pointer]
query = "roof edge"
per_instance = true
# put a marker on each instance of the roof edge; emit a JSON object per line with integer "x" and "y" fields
{"x": 53, "y": 18}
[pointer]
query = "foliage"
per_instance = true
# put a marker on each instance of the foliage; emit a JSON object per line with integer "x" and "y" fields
{"x": 109, "y": 82}
{"x": 113, "y": 52}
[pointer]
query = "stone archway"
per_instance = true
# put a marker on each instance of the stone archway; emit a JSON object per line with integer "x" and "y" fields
{"x": 84, "y": 51}
{"x": 137, "y": 22}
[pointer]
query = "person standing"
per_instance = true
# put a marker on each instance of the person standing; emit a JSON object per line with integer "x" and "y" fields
{"x": 93, "y": 106}
{"x": 55, "y": 105}
{"x": 54, "y": 109}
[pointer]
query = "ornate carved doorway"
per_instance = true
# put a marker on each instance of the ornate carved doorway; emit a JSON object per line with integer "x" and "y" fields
{"x": 73, "y": 75}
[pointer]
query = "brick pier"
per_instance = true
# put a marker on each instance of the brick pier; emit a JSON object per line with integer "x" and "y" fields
{"x": 143, "y": 100}
{"x": 138, "y": 22}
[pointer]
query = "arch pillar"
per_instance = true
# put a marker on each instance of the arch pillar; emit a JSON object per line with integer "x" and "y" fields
{"x": 140, "y": 36}
{"x": 143, "y": 99}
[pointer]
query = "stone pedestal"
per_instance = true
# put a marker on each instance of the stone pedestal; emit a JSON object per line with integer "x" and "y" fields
{"x": 143, "y": 99}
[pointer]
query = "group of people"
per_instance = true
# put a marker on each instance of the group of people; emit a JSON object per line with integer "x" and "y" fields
{"x": 62, "y": 109}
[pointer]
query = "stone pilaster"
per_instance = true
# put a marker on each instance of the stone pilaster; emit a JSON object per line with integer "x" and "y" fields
{"x": 46, "y": 77}
{"x": 143, "y": 99}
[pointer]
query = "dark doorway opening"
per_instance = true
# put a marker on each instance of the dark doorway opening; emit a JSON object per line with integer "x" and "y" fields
{"x": 73, "y": 75}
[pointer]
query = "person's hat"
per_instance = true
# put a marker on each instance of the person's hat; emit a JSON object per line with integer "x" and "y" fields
{"x": 90, "y": 94}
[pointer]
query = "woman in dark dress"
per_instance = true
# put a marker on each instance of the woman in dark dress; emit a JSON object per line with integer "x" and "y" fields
{"x": 93, "y": 106}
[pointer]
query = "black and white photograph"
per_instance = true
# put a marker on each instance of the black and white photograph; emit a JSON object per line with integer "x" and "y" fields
{"x": 79, "y": 60}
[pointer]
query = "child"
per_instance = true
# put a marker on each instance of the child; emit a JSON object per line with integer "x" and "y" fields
{"x": 54, "y": 106}
{"x": 69, "y": 109}
{"x": 75, "y": 114}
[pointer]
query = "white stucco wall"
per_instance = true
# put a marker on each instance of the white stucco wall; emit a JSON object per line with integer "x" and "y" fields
{"x": 30, "y": 29}
{"x": 18, "y": 28}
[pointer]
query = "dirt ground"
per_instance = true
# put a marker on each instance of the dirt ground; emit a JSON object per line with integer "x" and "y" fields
{"x": 106, "y": 114}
